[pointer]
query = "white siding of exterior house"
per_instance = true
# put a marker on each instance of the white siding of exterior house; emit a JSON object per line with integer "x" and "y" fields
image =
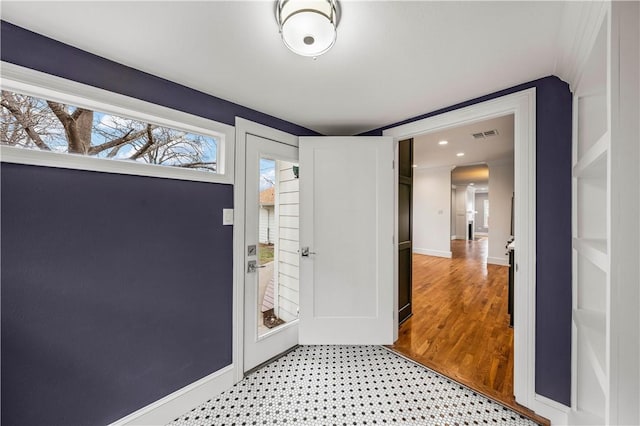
{"x": 287, "y": 213}
{"x": 267, "y": 224}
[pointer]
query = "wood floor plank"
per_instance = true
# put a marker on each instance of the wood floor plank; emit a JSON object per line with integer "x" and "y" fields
{"x": 460, "y": 325}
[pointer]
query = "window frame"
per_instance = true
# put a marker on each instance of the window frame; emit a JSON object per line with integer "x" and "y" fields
{"x": 34, "y": 83}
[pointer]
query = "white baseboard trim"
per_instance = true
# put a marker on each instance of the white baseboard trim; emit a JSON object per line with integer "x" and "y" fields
{"x": 428, "y": 252}
{"x": 558, "y": 414}
{"x": 482, "y": 234}
{"x": 453, "y": 237}
{"x": 497, "y": 261}
{"x": 173, "y": 405}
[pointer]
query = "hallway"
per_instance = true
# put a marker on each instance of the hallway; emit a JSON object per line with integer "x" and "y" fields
{"x": 460, "y": 326}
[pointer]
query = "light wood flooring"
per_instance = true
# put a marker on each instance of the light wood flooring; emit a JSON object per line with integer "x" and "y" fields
{"x": 460, "y": 325}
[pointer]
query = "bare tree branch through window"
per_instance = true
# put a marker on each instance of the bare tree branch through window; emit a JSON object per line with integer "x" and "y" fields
{"x": 34, "y": 123}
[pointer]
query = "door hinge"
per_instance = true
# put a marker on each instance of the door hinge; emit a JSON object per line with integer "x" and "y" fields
{"x": 393, "y": 164}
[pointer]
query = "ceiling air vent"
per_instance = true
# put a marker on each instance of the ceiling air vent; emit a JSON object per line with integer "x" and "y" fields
{"x": 487, "y": 134}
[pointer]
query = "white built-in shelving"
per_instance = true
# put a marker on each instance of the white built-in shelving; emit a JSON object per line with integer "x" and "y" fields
{"x": 606, "y": 219}
{"x": 591, "y": 260}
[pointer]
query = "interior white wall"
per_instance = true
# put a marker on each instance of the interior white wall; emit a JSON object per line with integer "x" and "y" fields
{"x": 461, "y": 212}
{"x": 432, "y": 211}
{"x": 501, "y": 183}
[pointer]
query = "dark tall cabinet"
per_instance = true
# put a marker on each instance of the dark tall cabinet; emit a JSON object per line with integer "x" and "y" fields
{"x": 405, "y": 225}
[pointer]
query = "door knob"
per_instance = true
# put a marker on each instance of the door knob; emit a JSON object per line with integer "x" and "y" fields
{"x": 252, "y": 265}
{"x": 304, "y": 251}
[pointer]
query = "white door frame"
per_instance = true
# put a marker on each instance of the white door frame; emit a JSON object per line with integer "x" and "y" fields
{"x": 243, "y": 128}
{"x": 523, "y": 105}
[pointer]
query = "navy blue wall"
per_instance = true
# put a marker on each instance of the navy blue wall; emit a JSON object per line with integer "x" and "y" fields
{"x": 553, "y": 230}
{"x": 116, "y": 291}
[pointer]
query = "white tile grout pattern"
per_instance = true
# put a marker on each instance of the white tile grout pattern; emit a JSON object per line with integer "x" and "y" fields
{"x": 348, "y": 385}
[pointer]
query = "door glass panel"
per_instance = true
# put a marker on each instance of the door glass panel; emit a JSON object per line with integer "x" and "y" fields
{"x": 277, "y": 244}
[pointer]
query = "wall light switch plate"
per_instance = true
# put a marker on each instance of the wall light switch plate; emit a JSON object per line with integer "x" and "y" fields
{"x": 227, "y": 216}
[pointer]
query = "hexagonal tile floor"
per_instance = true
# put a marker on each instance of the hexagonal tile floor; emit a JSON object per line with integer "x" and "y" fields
{"x": 348, "y": 385}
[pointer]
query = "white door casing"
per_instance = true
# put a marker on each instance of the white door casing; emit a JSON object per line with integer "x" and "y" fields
{"x": 523, "y": 106}
{"x": 347, "y": 222}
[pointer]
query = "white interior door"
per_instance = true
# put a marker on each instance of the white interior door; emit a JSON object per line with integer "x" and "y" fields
{"x": 347, "y": 223}
{"x": 271, "y": 250}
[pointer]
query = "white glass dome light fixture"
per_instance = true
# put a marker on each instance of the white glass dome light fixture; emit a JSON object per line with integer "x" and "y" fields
{"x": 308, "y": 27}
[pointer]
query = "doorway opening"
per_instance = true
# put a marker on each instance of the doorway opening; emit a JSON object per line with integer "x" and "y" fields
{"x": 461, "y": 316}
{"x": 345, "y": 280}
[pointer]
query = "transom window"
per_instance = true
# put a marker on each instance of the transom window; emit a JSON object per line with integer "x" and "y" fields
{"x": 54, "y": 122}
{"x": 40, "y": 124}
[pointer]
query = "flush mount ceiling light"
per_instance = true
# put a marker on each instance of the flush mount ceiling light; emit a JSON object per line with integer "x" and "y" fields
{"x": 308, "y": 27}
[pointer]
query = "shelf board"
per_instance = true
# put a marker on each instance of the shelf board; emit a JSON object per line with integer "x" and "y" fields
{"x": 595, "y": 348}
{"x": 595, "y": 250}
{"x": 589, "y": 318}
{"x": 594, "y": 162}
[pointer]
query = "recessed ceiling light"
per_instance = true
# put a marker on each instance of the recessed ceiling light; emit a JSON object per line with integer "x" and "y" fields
{"x": 414, "y": 165}
{"x": 460, "y": 154}
{"x": 443, "y": 142}
{"x": 471, "y": 183}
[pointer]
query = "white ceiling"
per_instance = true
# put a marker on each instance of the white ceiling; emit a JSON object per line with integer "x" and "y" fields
{"x": 427, "y": 153}
{"x": 393, "y": 59}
